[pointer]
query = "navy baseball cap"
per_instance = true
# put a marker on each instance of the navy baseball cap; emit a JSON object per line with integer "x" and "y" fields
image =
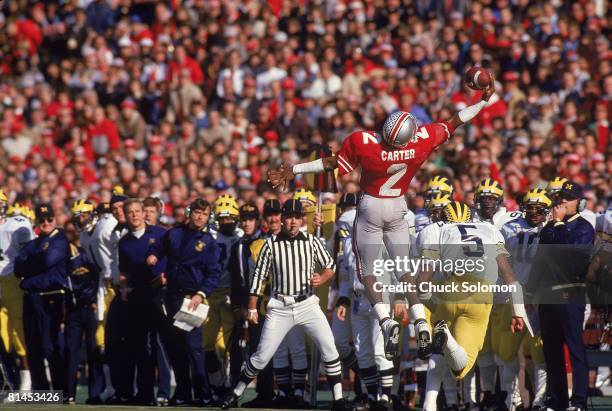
{"x": 292, "y": 207}
{"x": 103, "y": 208}
{"x": 348, "y": 200}
{"x": 44, "y": 211}
{"x": 272, "y": 206}
{"x": 249, "y": 211}
{"x": 571, "y": 190}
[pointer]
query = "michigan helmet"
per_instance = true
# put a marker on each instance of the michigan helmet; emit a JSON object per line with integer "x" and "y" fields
{"x": 457, "y": 212}
{"x": 226, "y": 210}
{"x": 439, "y": 184}
{"x": 304, "y": 195}
{"x": 226, "y": 198}
{"x": 399, "y": 128}
{"x": 29, "y": 213}
{"x": 555, "y": 185}
{"x": 82, "y": 206}
{"x": 14, "y": 210}
{"x": 439, "y": 200}
{"x": 537, "y": 196}
{"x": 3, "y": 203}
{"x": 489, "y": 187}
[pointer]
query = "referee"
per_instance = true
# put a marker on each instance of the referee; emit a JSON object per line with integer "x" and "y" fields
{"x": 290, "y": 259}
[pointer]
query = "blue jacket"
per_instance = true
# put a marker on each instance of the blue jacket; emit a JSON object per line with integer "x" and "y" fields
{"x": 133, "y": 254}
{"x": 43, "y": 263}
{"x": 193, "y": 260}
{"x": 563, "y": 255}
{"x": 83, "y": 276}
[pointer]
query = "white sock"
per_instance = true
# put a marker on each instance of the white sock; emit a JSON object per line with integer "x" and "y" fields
{"x": 486, "y": 364}
{"x": 382, "y": 311}
{"x": 450, "y": 386}
{"x": 509, "y": 374}
{"x": 26, "y": 380}
{"x": 539, "y": 384}
{"x": 240, "y": 387}
{"x": 455, "y": 355}
{"x": 434, "y": 378}
{"x": 469, "y": 387}
{"x": 417, "y": 312}
{"x": 337, "y": 391}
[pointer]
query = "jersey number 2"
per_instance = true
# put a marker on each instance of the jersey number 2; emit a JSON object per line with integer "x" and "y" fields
{"x": 395, "y": 172}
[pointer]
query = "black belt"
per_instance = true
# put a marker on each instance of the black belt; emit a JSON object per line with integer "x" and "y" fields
{"x": 297, "y": 298}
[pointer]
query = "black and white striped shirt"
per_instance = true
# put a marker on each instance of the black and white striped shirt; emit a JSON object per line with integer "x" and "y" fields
{"x": 291, "y": 262}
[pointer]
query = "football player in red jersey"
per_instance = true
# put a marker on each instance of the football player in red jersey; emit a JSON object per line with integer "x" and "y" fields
{"x": 388, "y": 163}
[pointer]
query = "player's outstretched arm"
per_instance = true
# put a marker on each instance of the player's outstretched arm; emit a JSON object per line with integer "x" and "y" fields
{"x": 519, "y": 314}
{"x": 285, "y": 173}
{"x": 468, "y": 113}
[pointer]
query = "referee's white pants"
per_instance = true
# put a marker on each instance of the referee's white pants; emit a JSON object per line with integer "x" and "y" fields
{"x": 281, "y": 318}
{"x": 293, "y": 344}
{"x": 367, "y": 336}
{"x": 380, "y": 221}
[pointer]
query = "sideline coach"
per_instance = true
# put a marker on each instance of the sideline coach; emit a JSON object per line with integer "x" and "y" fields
{"x": 564, "y": 252}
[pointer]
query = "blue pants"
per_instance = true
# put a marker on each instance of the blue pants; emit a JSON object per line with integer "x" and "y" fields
{"x": 115, "y": 342}
{"x": 42, "y": 317}
{"x": 81, "y": 321}
{"x": 186, "y": 354}
{"x": 562, "y": 323}
{"x": 163, "y": 366}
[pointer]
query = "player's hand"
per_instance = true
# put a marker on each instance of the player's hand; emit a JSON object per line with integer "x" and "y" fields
{"x": 317, "y": 220}
{"x": 151, "y": 260}
{"x": 195, "y": 301}
{"x": 559, "y": 212}
{"x": 516, "y": 324}
{"x": 281, "y": 176}
{"x": 253, "y": 316}
{"x": 490, "y": 90}
{"x": 158, "y": 281}
{"x": 341, "y": 312}
{"x": 316, "y": 280}
{"x": 399, "y": 310}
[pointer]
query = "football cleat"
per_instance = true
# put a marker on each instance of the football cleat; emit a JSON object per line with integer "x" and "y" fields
{"x": 423, "y": 335}
{"x": 391, "y": 334}
{"x": 230, "y": 401}
{"x": 439, "y": 337}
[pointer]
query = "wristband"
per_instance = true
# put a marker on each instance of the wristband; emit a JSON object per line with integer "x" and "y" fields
{"x": 315, "y": 166}
{"x": 470, "y": 112}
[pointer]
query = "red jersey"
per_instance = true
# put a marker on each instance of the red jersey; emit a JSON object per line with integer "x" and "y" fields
{"x": 388, "y": 172}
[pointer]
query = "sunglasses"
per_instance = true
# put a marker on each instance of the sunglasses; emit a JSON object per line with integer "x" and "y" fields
{"x": 45, "y": 220}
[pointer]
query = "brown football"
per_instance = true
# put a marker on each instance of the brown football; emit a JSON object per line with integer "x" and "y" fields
{"x": 477, "y": 78}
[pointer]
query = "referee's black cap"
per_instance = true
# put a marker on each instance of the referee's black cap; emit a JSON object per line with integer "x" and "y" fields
{"x": 272, "y": 206}
{"x": 293, "y": 207}
{"x": 348, "y": 200}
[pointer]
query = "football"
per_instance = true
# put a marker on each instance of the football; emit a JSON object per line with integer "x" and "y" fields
{"x": 477, "y": 78}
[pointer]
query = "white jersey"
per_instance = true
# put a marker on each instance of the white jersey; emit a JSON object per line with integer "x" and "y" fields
{"x": 430, "y": 234}
{"x": 501, "y": 217}
{"x": 522, "y": 242}
{"x": 98, "y": 244}
{"x": 225, "y": 244}
{"x": 590, "y": 216}
{"x": 604, "y": 230}
{"x": 459, "y": 242}
{"x": 421, "y": 220}
{"x": 345, "y": 260}
{"x": 15, "y": 232}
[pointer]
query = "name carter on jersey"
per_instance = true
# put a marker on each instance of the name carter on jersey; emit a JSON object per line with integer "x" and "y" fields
{"x": 397, "y": 155}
